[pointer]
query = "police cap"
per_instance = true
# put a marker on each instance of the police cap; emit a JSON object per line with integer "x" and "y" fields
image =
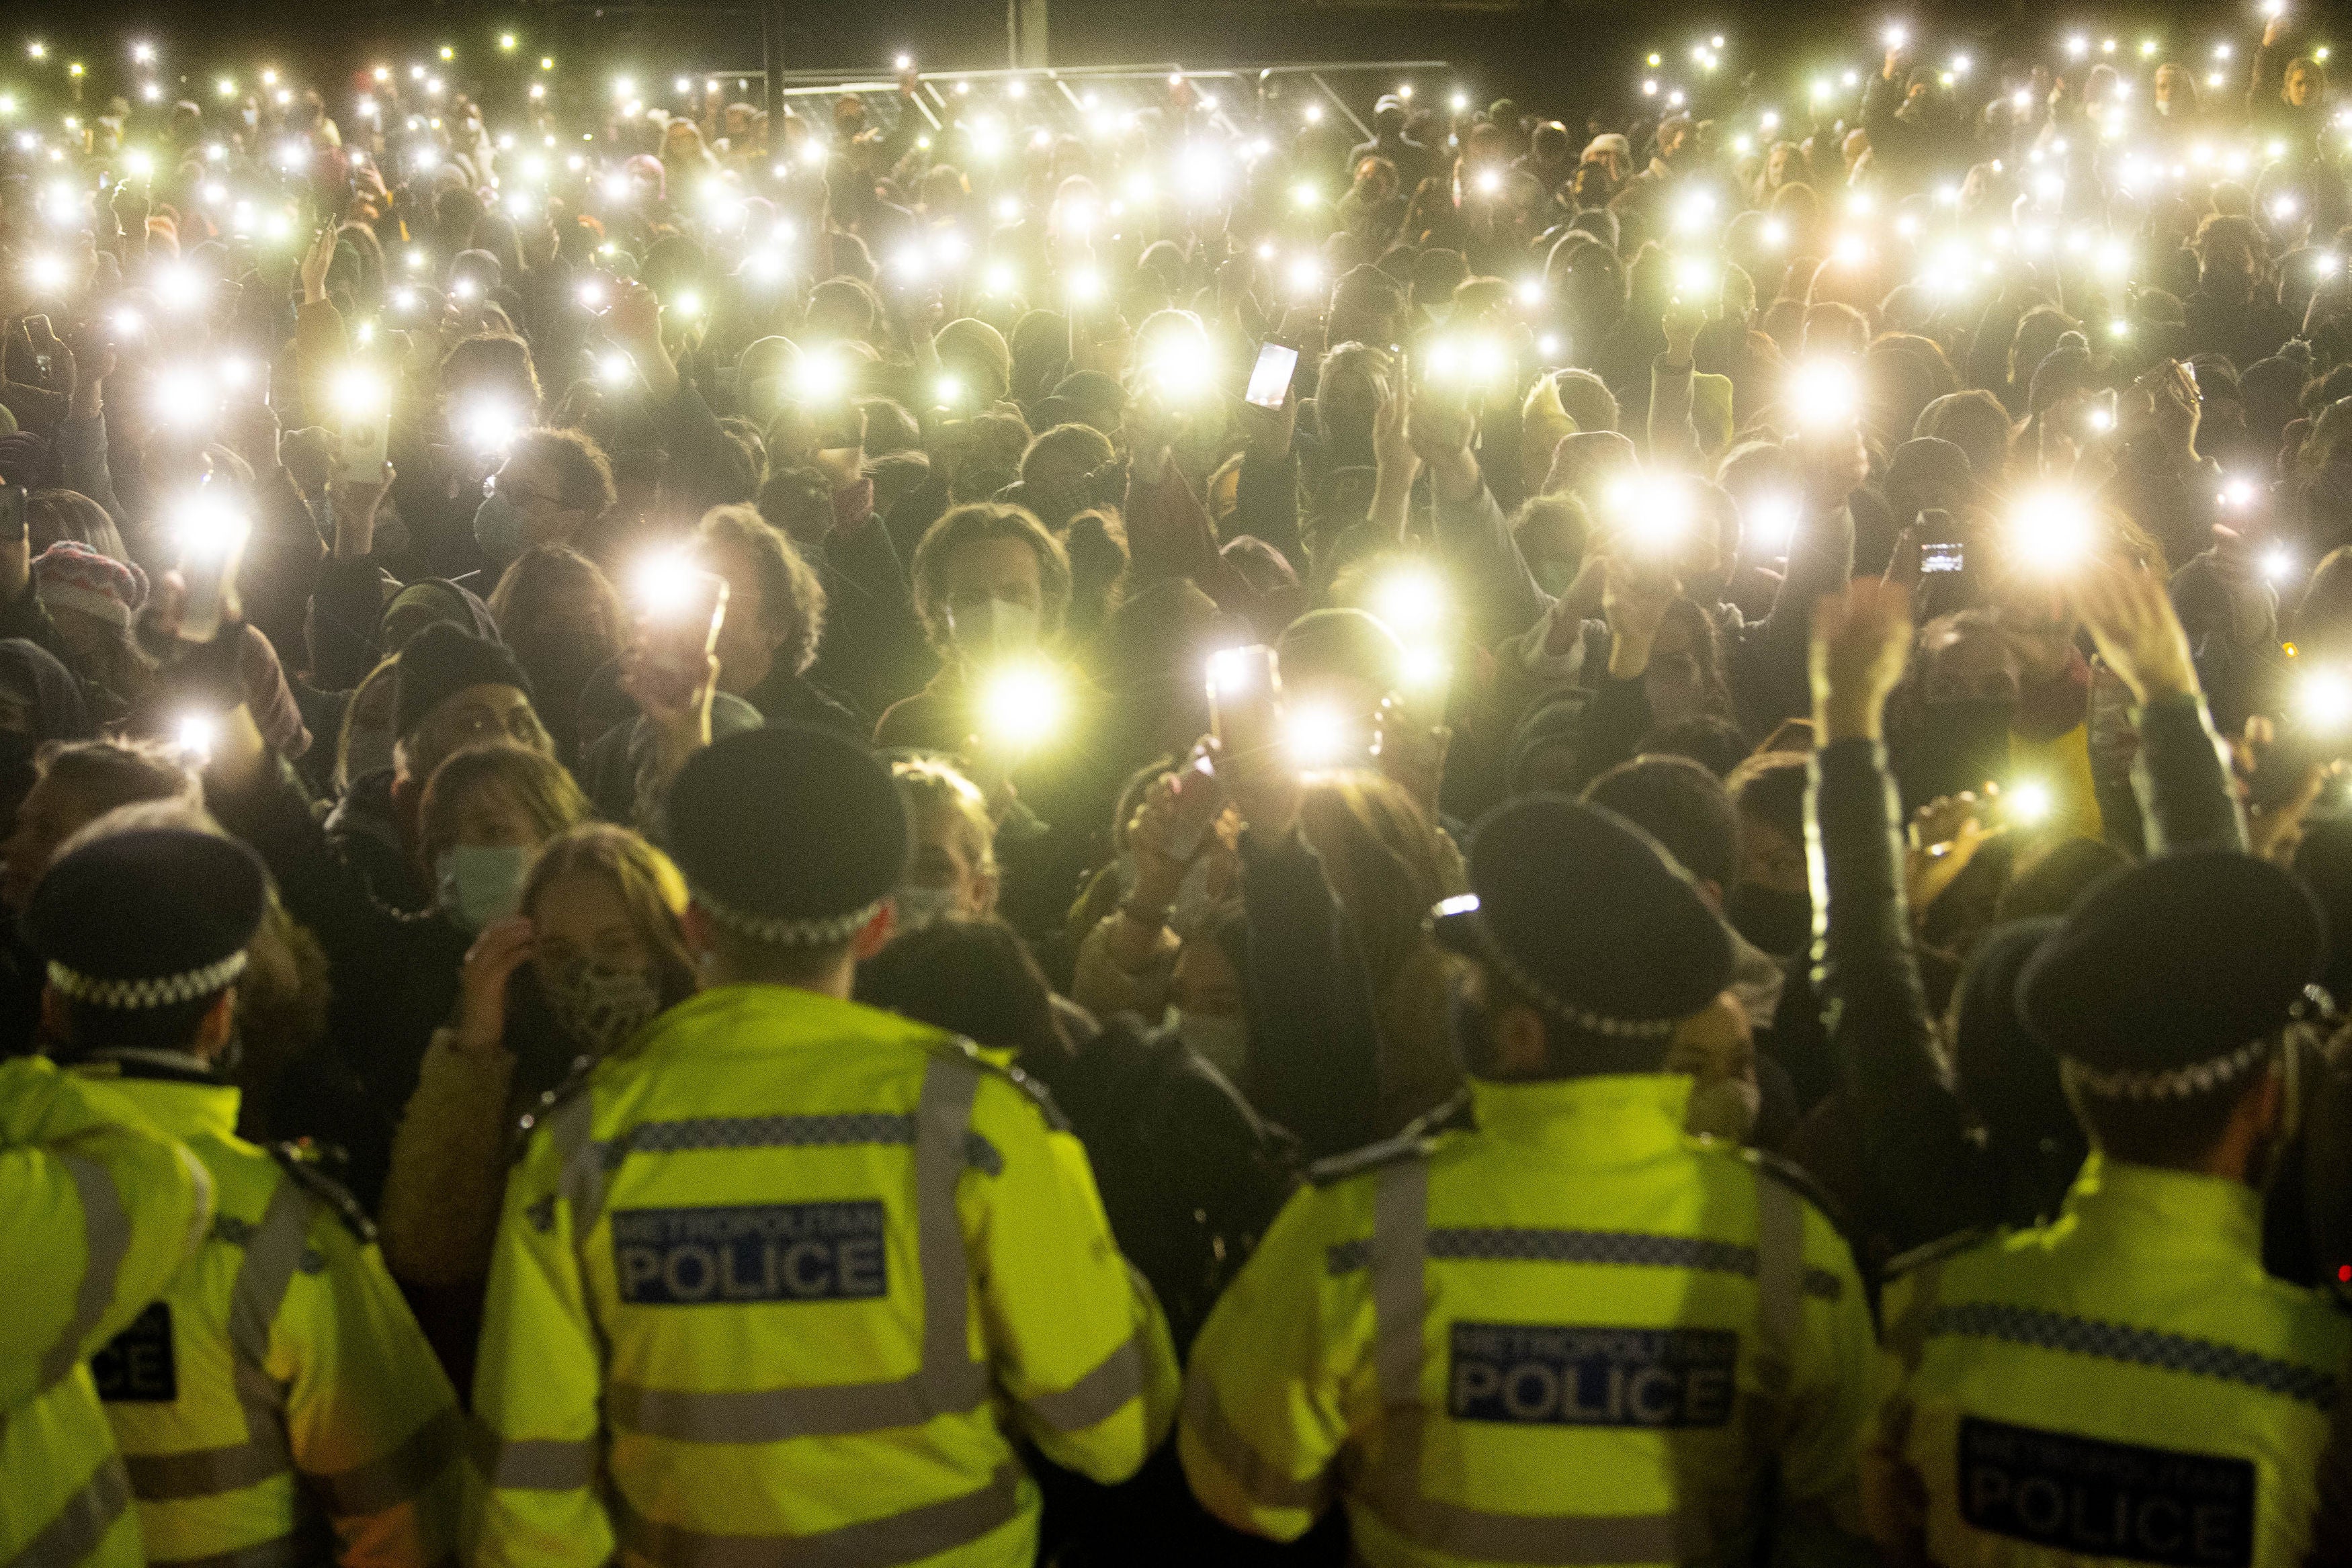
{"x": 148, "y": 918}
{"x": 788, "y": 834}
{"x": 2170, "y": 976}
{"x": 1586, "y": 914}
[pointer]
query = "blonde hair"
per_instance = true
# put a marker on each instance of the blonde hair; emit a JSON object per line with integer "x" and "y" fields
{"x": 932, "y": 784}
{"x": 536, "y": 782}
{"x": 649, "y": 886}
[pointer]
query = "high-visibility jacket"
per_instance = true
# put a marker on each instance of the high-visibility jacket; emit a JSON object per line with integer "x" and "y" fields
{"x": 278, "y": 1404}
{"x": 1574, "y": 1334}
{"x": 771, "y": 1285}
{"x": 97, "y": 1209}
{"x": 2124, "y": 1384}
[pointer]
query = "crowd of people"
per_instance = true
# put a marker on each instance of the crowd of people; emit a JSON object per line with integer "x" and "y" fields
{"x": 1248, "y": 835}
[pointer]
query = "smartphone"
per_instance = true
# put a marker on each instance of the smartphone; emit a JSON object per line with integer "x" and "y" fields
{"x": 366, "y": 442}
{"x": 1945, "y": 555}
{"x": 212, "y": 541}
{"x": 1244, "y": 689}
{"x": 681, "y": 629}
{"x": 1270, "y": 378}
{"x": 1199, "y": 799}
{"x": 2099, "y": 417}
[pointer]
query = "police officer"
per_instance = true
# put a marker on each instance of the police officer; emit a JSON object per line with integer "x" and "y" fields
{"x": 1563, "y": 1331}
{"x": 783, "y": 1280}
{"x": 278, "y": 1404}
{"x": 2126, "y": 1382}
{"x": 98, "y": 1210}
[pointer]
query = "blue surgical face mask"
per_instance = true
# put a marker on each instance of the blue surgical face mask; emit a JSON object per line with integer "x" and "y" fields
{"x": 480, "y": 883}
{"x": 498, "y": 529}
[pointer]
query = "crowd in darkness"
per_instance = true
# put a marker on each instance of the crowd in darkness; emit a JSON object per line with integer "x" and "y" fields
{"x": 1910, "y": 495}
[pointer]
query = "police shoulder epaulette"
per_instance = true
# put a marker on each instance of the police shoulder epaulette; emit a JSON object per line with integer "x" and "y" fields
{"x": 573, "y": 1084}
{"x": 956, "y": 1046}
{"x": 1417, "y": 1141}
{"x": 303, "y": 1168}
{"x": 1935, "y": 1251}
{"x": 1800, "y": 1180}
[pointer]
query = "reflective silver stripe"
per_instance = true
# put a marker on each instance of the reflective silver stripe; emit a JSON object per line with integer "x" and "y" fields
{"x": 1097, "y": 1397}
{"x": 106, "y": 1240}
{"x": 1206, "y": 1418}
{"x": 1399, "y": 1246}
{"x": 397, "y": 1477}
{"x": 1401, "y": 1242}
{"x": 1548, "y": 1539}
{"x": 947, "y": 1383}
{"x": 532, "y": 1464}
{"x": 80, "y": 1523}
{"x": 202, "y": 1472}
{"x": 898, "y": 1538}
{"x": 776, "y": 1415}
{"x": 573, "y": 1125}
{"x": 272, "y": 1252}
{"x": 1779, "y": 1283}
{"x": 285, "y": 1551}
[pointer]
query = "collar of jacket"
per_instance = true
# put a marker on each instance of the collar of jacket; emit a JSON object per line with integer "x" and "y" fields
{"x": 760, "y": 1018}
{"x": 178, "y": 1094}
{"x": 2172, "y": 1215}
{"x": 1608, "y": 1120}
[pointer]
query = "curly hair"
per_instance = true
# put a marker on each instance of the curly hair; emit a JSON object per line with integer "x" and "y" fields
{"x": 974, "y": 523}
{"x": 788, "y": 584}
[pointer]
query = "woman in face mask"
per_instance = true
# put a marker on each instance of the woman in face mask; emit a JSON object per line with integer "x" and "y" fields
{"x": 952, "y": 874}
{"x": 992, "y": 589}
{"x": 485, "y": 812}
{"x": 592, "y": 954}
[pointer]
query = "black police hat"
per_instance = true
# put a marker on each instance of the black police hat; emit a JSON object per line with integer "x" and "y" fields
{"x": 148, "y": 918}
{"x": 2170, "y": 976}
{"x": 788, "y": 834}
{"x": 1588, "y": 915}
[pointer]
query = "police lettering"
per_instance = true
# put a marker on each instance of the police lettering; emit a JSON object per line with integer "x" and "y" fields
{"x": 136, "y": 1366}
{"x": 1592, "y": 1376}
{"x": 769, "y": 1252}
{"x": 2095, "y": 1498}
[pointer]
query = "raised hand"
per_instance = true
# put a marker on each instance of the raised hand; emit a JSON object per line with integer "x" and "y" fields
{"x": 1861, "y": 644}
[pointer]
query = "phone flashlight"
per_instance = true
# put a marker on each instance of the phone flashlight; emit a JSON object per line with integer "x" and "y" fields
{"x": 1023, "y": 705}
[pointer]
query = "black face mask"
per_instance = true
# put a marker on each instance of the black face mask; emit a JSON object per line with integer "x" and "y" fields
{"x": 1779, "y": 922}
{"x": 1960, "y": 744}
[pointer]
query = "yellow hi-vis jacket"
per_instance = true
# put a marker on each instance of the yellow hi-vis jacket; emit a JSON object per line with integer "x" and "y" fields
{"x": 773, "y": 1284}
{"x": 279, "y": 1405}
{"x": 1573, "y": 1335}
{"x": 2122, "y": 1385}
{"x": 97, "y": 1209}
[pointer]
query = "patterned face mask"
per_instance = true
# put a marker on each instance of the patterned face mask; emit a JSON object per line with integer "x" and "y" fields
{"x": 600, "y": 1006}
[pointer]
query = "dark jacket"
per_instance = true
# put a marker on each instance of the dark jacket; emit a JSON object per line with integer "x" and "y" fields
{"x": 1921, "y": 1173}
{"x": 392, "y": 958}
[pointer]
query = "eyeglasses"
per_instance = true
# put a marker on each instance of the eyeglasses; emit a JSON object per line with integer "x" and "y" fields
{"x": 520, "y": 495}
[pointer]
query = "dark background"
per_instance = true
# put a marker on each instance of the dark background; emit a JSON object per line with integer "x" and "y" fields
{"x": 1548, "y": 54}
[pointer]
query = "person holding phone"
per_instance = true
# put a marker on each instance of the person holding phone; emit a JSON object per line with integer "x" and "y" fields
{"x": 992, "y": 589}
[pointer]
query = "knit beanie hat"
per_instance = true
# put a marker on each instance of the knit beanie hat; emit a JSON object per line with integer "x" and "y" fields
{"x": 70, "y": 575}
